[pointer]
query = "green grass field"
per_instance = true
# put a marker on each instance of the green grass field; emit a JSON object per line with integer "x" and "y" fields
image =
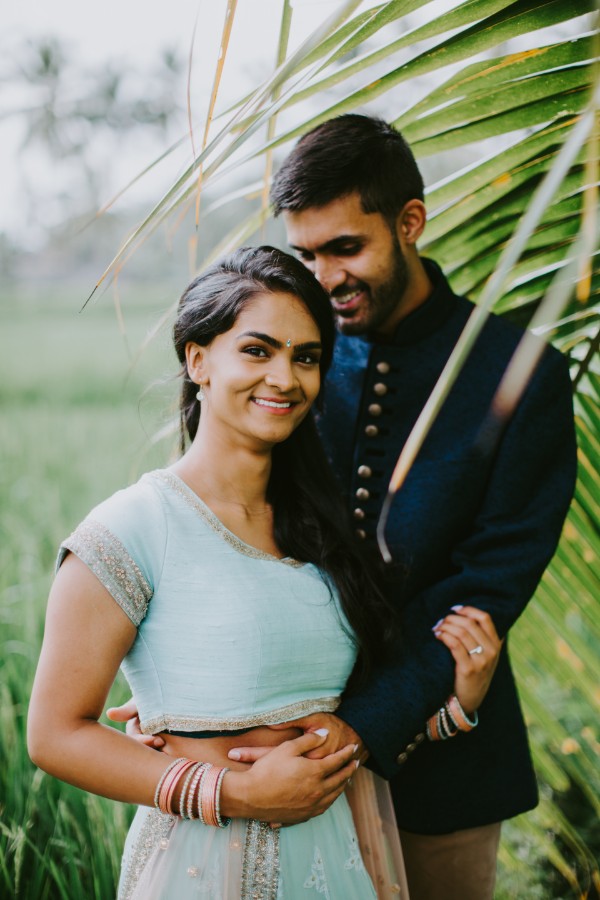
{"x": 76, "y": 424}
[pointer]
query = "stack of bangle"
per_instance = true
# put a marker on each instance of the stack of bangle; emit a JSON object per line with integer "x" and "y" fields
{"x": 199, "y": 797}
{"x": 449, "y": 720}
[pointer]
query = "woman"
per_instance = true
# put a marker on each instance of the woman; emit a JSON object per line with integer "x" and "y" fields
{"x": 241, "y": 603}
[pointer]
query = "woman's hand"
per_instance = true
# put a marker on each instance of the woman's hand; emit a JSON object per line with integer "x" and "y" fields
{"x": 284, "y": 786}
{"x": 128, "y": 712}
{"x": 471, "y": 637}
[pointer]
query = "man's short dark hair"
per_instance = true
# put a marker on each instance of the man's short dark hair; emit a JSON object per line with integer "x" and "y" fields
{"x": 345, "y": 155}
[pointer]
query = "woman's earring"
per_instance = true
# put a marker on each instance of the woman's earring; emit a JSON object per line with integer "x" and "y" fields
{"x": 200, "y": 394}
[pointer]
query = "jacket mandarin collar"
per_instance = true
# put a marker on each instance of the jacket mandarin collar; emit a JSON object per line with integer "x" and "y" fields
{"x": 426, "y": 318}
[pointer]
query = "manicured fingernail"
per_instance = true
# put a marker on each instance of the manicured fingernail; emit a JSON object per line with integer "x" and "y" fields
{"x": 437, "y": 634}
{"x": 356, "y": 763}
{"x": 457, "y": 607}
{"x": 234, "y": 754}
{"x": 323, "y": 732}
{"x": 437, "y": 624}
{"x": 356, "y": 748}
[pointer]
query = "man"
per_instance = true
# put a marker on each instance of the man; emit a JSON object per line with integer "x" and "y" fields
{"x": 475, "y": 523}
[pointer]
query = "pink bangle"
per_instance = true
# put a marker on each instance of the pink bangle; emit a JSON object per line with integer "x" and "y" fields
{"x": 432, "y": 729}
{"x": 210, "y": 794}
{"x": 209, "y": 783}
{"x": 459, "y": 716}
{"x": 170, "y": 783}
{"x": 161, "y": 781}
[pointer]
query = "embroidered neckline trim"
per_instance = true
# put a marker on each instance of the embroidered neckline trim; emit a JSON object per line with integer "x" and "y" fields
{"x": 175, "y": 483}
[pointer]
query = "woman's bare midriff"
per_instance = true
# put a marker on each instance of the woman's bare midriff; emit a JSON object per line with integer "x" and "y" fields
{"x": 215, "y": 750}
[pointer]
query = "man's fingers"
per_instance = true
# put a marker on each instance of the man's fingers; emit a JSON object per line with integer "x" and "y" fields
{"x": 307, "y": 741}
{"x": 248, "y": 754}
{"x": 149, "y": 740}
{"x": 337, "y": 762}
{"x": 122, "y": 713}
{"x": 281, "y": 726}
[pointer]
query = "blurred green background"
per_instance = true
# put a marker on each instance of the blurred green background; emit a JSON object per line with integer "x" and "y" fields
{"x": 83, "y": 395}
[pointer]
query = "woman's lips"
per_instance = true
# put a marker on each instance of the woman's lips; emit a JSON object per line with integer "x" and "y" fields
{"x": 273, "y": 406}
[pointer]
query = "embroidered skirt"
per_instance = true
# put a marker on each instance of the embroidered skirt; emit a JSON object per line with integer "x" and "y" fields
{"x": 167, "y": 858}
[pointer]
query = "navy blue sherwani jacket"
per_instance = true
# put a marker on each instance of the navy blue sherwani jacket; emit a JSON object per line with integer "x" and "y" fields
{"x": 476, "y": 522}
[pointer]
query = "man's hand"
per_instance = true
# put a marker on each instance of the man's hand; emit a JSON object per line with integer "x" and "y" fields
{"x": 340, "y": 735}
{"x": 284, "y": 787}
{"x": 128, "y": 713}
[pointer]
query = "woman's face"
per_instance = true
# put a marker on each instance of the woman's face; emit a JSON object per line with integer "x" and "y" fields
{"x": 261, "y": 377}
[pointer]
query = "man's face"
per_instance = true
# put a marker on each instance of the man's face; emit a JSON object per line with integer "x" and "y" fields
{"x": 358, "y": 260}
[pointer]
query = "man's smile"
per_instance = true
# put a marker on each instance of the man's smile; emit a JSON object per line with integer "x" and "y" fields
{"x": 348, "y": 301}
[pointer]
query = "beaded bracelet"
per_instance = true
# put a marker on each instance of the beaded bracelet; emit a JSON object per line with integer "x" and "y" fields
{"x": 222, "y": 821}
{"x": 449, "y": 720}
{"x": 201, "y": 788}
{"x": 194, "y": 788}
{"x": 183, "y": 805}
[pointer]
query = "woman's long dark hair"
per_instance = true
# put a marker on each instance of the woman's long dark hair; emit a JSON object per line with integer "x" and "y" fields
{"x": 311, "y": 523}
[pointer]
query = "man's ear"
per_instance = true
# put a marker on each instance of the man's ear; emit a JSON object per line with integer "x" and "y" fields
{"x": 410, "y": 223}
{"x": 196, "y": 358}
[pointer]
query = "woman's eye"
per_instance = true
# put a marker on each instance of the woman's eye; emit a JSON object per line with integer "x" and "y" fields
{"x": 308, "y": 359}
{"x": 255, "y": 351}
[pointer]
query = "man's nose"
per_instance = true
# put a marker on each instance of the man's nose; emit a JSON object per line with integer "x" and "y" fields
{"x": 329, "y": 273}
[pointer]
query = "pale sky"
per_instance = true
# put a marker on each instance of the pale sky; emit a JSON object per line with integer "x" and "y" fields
{"x": 135, "y": 31}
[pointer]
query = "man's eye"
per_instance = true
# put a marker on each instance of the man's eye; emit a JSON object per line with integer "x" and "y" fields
{"x": 349, "y": 249}
{"x": 305, "y": 256}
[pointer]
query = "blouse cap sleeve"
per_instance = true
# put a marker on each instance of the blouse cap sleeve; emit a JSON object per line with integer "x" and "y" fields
{"x": 122, "y": 542}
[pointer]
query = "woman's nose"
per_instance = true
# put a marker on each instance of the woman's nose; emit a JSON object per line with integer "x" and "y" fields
{"x": 281, "y": 373}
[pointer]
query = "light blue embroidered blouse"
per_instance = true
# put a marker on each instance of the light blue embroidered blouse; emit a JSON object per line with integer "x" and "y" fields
{"x": 228, "y": 637}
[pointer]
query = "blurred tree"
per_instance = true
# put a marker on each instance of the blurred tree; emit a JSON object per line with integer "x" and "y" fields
{"x": 77, "y": 121}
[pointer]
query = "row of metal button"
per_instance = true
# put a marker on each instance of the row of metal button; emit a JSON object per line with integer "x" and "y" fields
{"x": 374, "y": 409}
{"x": 402, "y": 757}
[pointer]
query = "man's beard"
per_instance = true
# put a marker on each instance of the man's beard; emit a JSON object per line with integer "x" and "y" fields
{"x": 383, "y": 301}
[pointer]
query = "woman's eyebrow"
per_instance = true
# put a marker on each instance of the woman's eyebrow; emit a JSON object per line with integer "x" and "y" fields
{"x": 271, "y": 341}
{"x": 277, "y": 345}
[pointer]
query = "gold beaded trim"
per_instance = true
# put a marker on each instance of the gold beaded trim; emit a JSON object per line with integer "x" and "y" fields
{"x": 260, "y": 872}
{"x": 111, "y": 563}
{"x": 186, "y": 493}
{"x": 156, "y": 828}
{"x": 273, "y": 717}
